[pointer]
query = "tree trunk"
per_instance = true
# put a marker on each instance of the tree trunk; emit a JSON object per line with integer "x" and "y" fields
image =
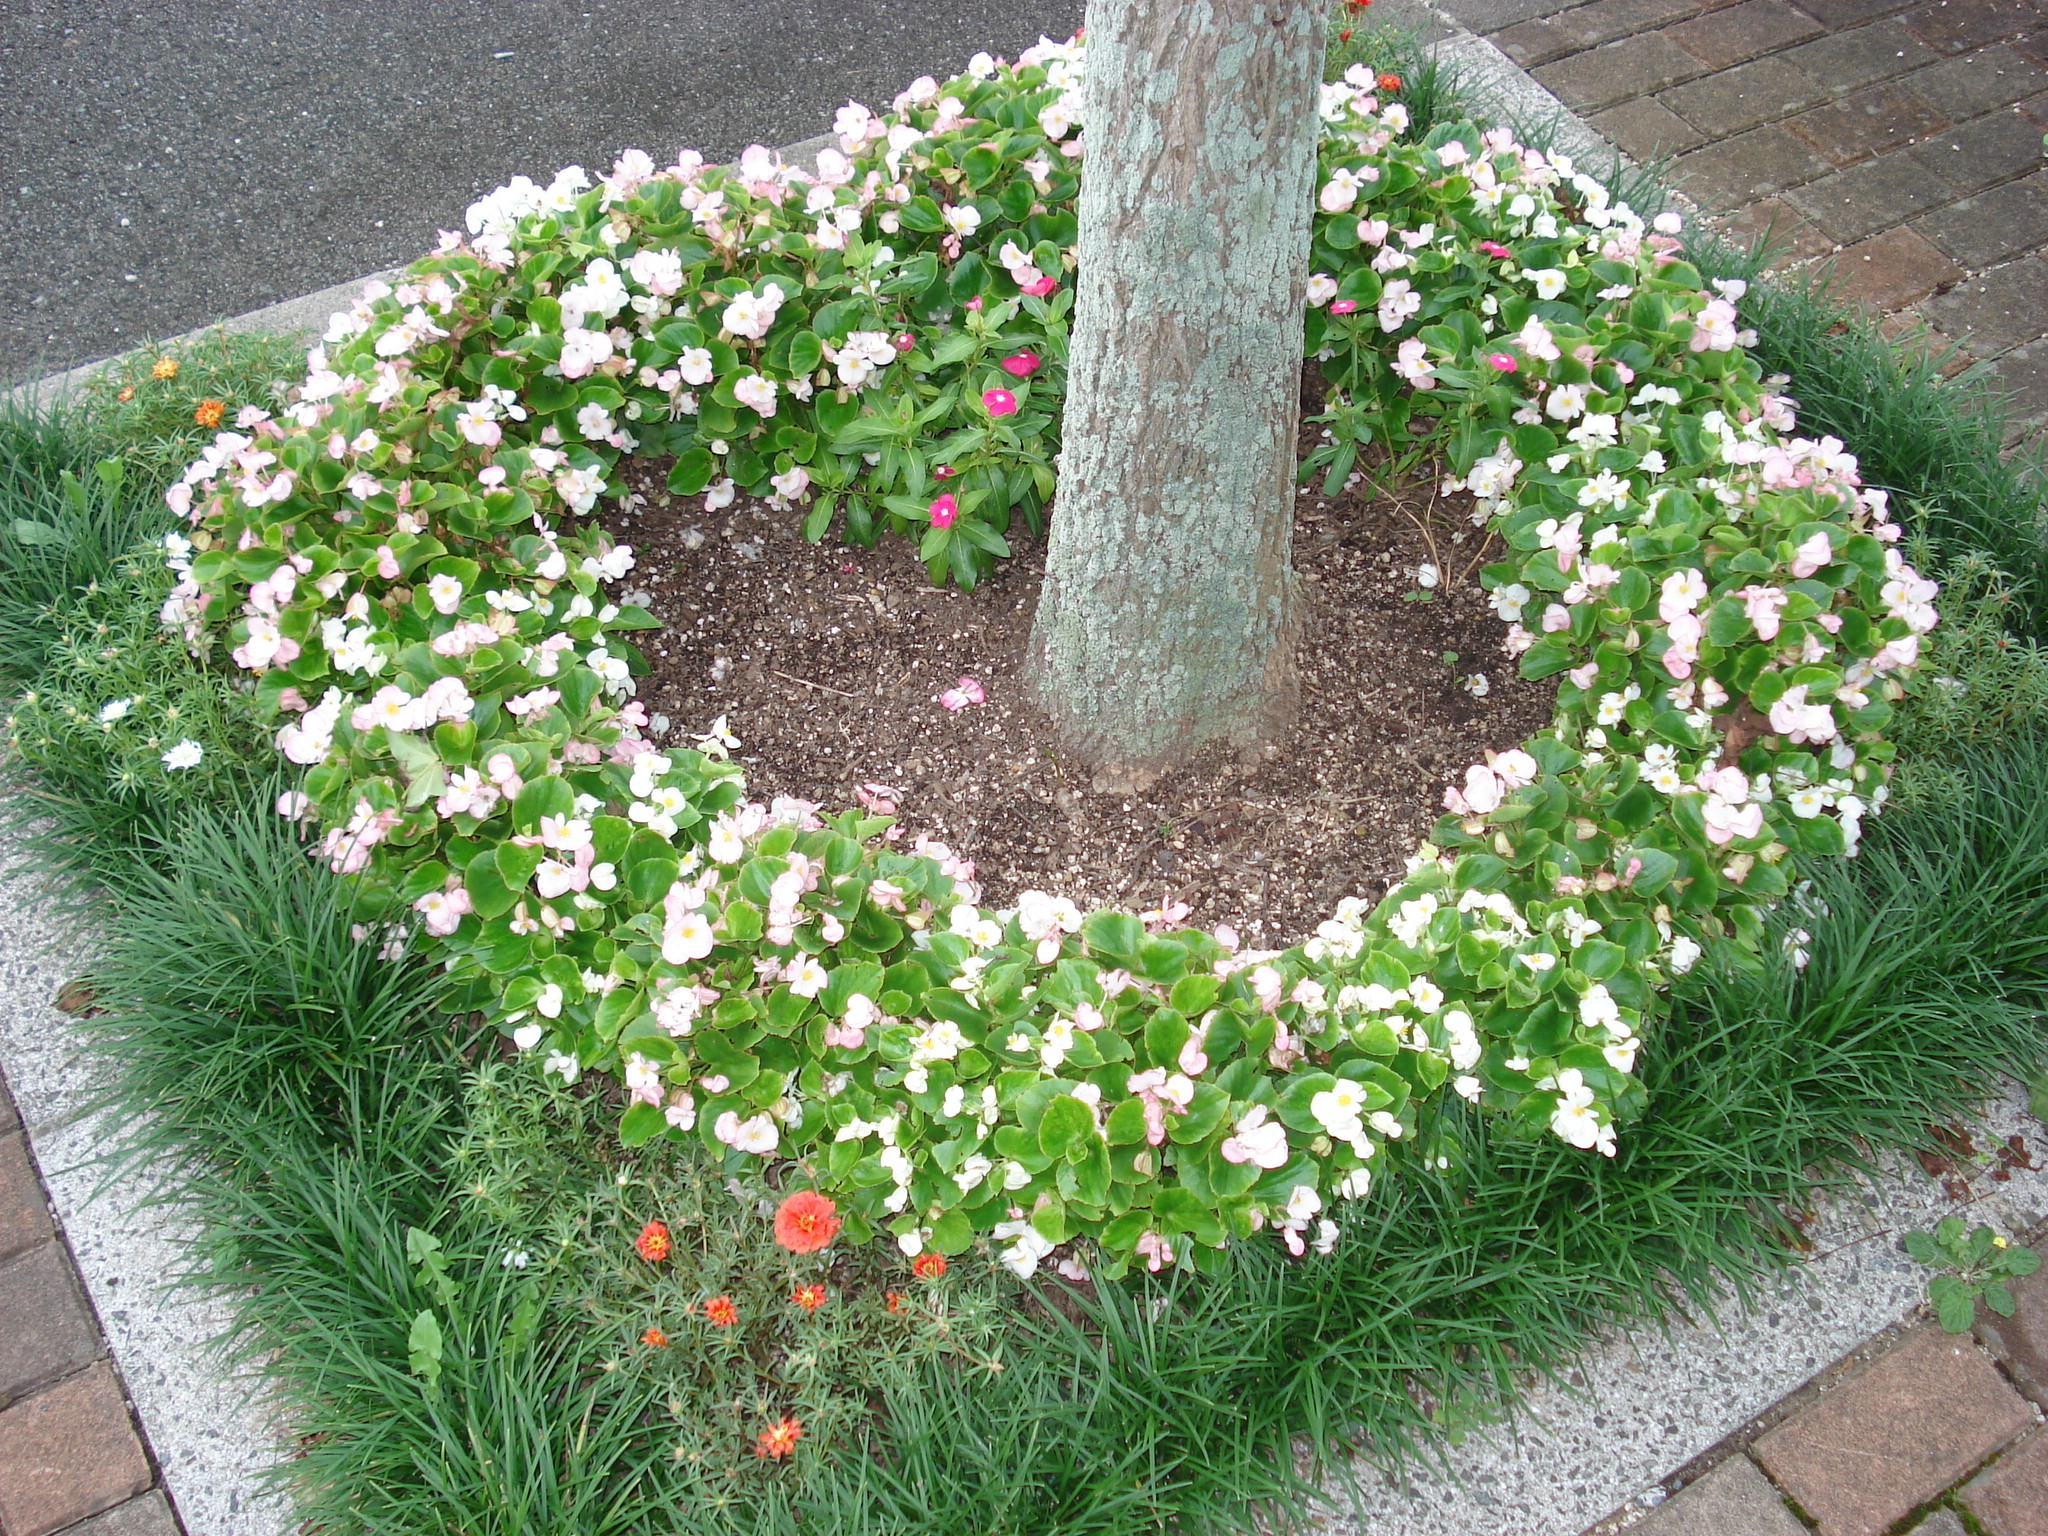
{"x": 1168, "y": 617}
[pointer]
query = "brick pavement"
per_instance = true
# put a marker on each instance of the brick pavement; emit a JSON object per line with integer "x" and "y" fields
{"x": 1899, "y": 141}
{"x": 72, "y": 1459}
{"x": 1910, "y": 1436}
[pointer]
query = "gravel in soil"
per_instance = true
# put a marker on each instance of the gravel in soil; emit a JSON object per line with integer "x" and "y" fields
{"x": 828, "y": 662}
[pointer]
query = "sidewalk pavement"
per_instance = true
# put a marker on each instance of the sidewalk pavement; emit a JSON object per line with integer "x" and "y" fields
{"x": 1914, "y": 1432}
{"x": 1897, "y": 141}
{"x": 71, "y": 1456}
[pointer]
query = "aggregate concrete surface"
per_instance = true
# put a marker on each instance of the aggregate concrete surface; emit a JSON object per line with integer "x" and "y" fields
{"x": 210, "y": 1428}
{"x": 171, "y": 162}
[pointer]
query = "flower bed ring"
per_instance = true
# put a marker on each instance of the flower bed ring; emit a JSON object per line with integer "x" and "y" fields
{"x": 1719, "y": 599}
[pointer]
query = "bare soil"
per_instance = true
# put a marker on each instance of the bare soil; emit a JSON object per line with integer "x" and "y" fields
{"x": 828, "y": 660}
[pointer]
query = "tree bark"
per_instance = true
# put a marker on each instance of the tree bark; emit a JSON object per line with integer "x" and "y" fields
{"x": 1168, "y": 617}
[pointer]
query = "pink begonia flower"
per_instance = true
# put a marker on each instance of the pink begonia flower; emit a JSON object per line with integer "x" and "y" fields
{"x": 1040, "y": 286}
{"x": 1811, "y": 556}
{"x": 943, "y": 510}
{"x": 963, "y": 693}
{"x": 1155, "y": 1249}
{"x": 1582, "y": 677}
{"x": 880, "y": 799}
{"x": 1685, "y": 631}
{"x": 387, "y": 563}
{"x": 1494, "y": 248}
{"x": 1482, "y": 794}
{"x": 1726, "y": 822}
{"x": 1802, "y": 722}
{"x": 974, "y": 304}
{"x": 1343, "y": 306}
{"x": 998, "y": 402}
{"x": 1503, "y": 362}
{"x": 1257, "y": 1140}
{"x": 1763, "y": 606}
{"x": 1020, "y": 364}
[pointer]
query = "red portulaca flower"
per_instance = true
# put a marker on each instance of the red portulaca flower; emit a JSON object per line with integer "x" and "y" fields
{"x": 653, "y": 1242}
{"x": 778, "y": 1439}
{"x": 807, "y": 1221}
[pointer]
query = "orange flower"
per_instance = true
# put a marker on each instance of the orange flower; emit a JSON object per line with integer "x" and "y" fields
{"x": 928, "y": 1266}
{"x": 1390, "y": 82}
{"x": 720, "y": 1312}
{"x": 778, "y": 1439}
{"x": 893, "y": 1300}
{"x": 810, "y": 1297}
{"x": 806, "y": 1222}
{"x": 654, "y": 1338}
{"x": 209, "y": 412}
{"x": 164, "y": 368}
{"x": 127, "y": 392}
{"x": 652, "y": 1244}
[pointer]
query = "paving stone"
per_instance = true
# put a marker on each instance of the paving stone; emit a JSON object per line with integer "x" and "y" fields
{"x": 1979, "y": 82}
{"x": 1604, "y": 20}
{"x": 10, "y": 1117}
{"x": 1851, "y": 60}
{"x": 1790, "y": 238}
{"x": 1751, "y": 165}
{"x": 68, "y": 1452}
{"x": 1868, "y": 123}
{"x": 1493, "y": 15}
{"x": 2022, "y": 376}
{"x": 1600, "y": 77}
{"x": 47, "y": 1329}
{"x": 2021, "y": 1341}
{"x": 2035, "y": 109}
{"x": 1942, "y": 1522}
{"x": 24, "y": 1217}
{"x": 1745, "y": 31}
{"x": 1893, "y": 1435}
{"x": 149, "y": 1515}
{"x": 1982, "y": 154}
{"x": 1997, "y": 310}
{"x": 1746, "y": 96}
{"x": 1646, "y": 129}
{"x": 1875, "y": 195}
{"x": 1984, "y": 230}
{"x": 1956, "y": 25}
{"x": 2035, "y": 46}
{"x": 1891, "y": 270}
{"x": 1732, "y": 1500}
{"x": 1530, "y": 43}
{"x": 2010, "y": 1497}
{"x": 1849, "y": 13}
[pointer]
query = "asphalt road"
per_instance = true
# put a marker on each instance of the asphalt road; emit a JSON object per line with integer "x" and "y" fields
{"x": 171, "y": 162}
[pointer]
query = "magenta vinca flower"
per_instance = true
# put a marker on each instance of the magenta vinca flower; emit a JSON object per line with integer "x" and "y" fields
{"x": 1343, "y": 306}
{"x": 943, "y": 510}
{"x": 1503, "y": 361}
{"x": 999, "y": 402}
{"x": 1020, "y": 364}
